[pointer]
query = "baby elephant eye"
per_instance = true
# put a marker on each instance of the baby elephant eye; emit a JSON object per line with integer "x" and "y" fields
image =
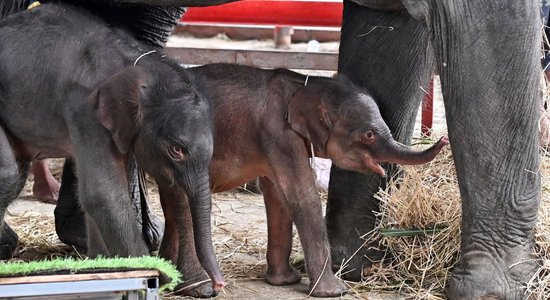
{"x": 368, "y": 137}
{"x": 177, "y": 152}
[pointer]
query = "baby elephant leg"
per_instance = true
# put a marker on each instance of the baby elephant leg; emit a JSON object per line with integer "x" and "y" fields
{"x": 294, "y": 180}
{"x": 103, "y": 190}
{"x": 279, "y": 237}
{"x": 69, "y": 217}
{"x": 72, "y": 225}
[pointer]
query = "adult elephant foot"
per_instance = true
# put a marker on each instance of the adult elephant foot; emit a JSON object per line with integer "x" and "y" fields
{"x": 353, "y": 263}
{"x": 8, "y": 242}
{"x": 487, "y": 276}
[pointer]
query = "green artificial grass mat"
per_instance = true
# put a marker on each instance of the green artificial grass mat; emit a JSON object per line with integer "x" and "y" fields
{"x": 170, "y": 276}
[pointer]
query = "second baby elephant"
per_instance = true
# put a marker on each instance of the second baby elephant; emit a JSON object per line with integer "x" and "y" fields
{"x": 267, "y": 124}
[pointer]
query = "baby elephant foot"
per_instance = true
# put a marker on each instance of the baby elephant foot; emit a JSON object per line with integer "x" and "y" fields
{"x": 45, "y": 187}
{"x": 71, "y": 229}
{"x": 8, "y": 242}
{"x": 327, "y": 287}
{"x": 200, "y": 289}
{"x": 195, "y": 282}
{"x": 287, "y": 276}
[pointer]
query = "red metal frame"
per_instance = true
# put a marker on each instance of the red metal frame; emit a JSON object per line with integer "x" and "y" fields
{"x": 270, "y": 12}
{"x": 427, "y": 110}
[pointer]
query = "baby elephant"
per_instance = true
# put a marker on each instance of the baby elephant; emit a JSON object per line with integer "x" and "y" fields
{"x": 267, "y": 124}
{"x": 71, "y": 86}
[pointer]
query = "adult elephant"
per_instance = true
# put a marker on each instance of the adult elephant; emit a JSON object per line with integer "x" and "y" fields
{"x": 486, "y": 53}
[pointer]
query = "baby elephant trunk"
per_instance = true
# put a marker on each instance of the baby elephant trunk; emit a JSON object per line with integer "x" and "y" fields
{"x": 398, "y": 153}
{"x": 201, "y": 205}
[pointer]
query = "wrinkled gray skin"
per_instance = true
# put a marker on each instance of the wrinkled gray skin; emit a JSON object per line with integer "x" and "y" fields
{"x": 486, "y": 53}
{"x": 62, "y": 98}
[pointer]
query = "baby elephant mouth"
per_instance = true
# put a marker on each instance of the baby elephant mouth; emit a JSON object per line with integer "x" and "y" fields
{"x": 375, "y": 167}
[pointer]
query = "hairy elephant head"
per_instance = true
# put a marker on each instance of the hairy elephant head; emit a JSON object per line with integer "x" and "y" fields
{"x": 344, "y": 124}
{"x": 167, "y": 125}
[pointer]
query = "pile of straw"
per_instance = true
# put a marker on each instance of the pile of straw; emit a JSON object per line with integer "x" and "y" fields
{"x": 539, "y": 286}
{"x": 419, "y": 223}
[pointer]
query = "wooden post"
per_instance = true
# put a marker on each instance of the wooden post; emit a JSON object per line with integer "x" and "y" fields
{"x": 282, "y": 35}
{"x": 427, "y": 110}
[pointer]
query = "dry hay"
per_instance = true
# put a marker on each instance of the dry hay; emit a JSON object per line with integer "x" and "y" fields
{"x": 539, "y": 286}
{"x": 37, "y": 238}
{"x": 419, "y": 224}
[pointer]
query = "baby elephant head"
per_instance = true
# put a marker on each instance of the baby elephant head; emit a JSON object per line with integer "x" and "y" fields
{"x": 344, "y": 124}
{"x": 157, "y": 115}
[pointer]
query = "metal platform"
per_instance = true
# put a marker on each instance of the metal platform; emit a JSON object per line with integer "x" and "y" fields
{"x": 131, "y": 285}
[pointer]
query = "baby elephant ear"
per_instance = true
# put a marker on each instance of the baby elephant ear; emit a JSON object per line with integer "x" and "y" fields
{"x": 117, "y": 103}
{"x": 308, "y": 117}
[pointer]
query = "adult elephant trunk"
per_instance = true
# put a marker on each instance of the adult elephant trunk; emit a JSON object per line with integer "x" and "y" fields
{"x": 394, "y": 152}
{"x": 386, "y": 5}
{"x": 200, "y": 202}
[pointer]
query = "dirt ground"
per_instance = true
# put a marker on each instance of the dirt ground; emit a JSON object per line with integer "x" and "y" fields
{"x": 239, "y": 223}
{"x": 239, "y": 234}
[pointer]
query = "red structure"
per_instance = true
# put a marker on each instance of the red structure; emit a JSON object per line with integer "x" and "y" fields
{"x": 270, "y": 12}
{"x": 428, "y": 110}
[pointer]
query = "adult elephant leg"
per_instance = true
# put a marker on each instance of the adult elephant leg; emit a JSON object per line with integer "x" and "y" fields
{"x": 178, "y": 243}
{"x": 488, "y": 56}
{"x": 373, "y": 55}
